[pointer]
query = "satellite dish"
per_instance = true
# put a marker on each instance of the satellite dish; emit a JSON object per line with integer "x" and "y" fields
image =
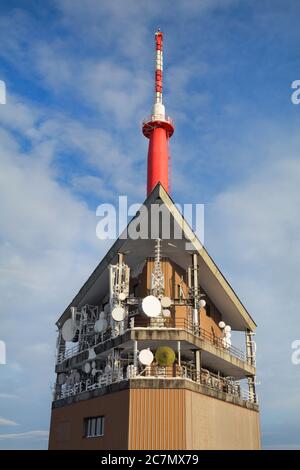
{"x": 227, "y": 329}
{"x": 226, "y": 342}
{"x": 202, "y": 303}
{"x": 94, "y": 372}
{"x": 108, "y": 369}
{"x": 165, "y": 302}
{"x": 102, "y": 315}
{"x": 122, "y": 296}
{"x": 151, "y": 306}
{"x": 222, "y": 324}
{"x": 92, "y": 354}
{"x": 61, "y": 379}
{"x": 146, "y": 357}
{"x": 87, "y": 367}
{"x": 68, "y": 330}
{"x": 100, "y": 325}
{"x": 75, "y": 376}
{"x": 118, "y": 313}
{"x": 94, "y": 364}
{"x": 166, "y": 313}
{"x": 228, "y": 334}
{"x": 165, "y": 356}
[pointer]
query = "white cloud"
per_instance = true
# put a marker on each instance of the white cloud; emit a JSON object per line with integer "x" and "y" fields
{"x": 26, "y": 435}
{"x": 7, "y": 422}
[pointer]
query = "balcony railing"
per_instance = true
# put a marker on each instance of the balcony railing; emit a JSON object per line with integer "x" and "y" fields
{"x": 157, "y": 324}
{"x": 205, "y": 378}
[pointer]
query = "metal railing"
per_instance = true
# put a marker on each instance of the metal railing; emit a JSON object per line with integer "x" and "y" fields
{"x": 209, "y": 380}
{"x": 140, "y": 323}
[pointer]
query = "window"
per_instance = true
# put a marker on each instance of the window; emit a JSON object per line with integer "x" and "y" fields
{"x": 94, "y": 427}
{"x": 207, "y": 308}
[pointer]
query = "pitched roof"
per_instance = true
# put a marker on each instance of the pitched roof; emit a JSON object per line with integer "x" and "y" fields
{"x": 210, "y": 277}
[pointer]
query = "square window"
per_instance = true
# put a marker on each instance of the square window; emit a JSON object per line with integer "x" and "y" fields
{"x": 94, "y": 426}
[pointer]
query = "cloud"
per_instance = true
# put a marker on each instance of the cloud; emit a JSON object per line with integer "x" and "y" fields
{"x": 36, "y": 435}
{"x": 252, "y": 229}
{"x": 7, "y": 422}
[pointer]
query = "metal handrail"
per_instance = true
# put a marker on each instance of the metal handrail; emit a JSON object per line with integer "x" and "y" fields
{"x": 172, "y": 324}
{"x": 185, "y": 371}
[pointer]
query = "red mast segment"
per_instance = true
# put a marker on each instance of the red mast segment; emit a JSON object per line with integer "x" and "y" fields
{"x": 158, "y": 128}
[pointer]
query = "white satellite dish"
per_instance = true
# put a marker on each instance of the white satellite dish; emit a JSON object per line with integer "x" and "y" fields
{"x": 75, "y": 376}
{"x": 87, "y": 367}
{"x": 227, "y": 329}
{"x": 102, "y": 315}
{"x": 166, "y": 313}
{"x": 146, "y": 357}
{"x": 151, "y": 306}
{"x": 222, "y": 324}
{"x": 92, "y": 354}
{"x": 61, "y": 379}
{"x": 118, "y": 313}
{"x": 122, "y": 296}
{"x": 94, "y": 364}
{"x": 100, "y": 325}
{"x": 227, "y": 334}
{"x": 226, "y": 342}
{"x": 202, "y": 303}
{"x": 165, "y": 302}
{"x": 68, "y": 330}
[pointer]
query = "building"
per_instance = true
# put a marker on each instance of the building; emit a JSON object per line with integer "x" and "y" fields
{"x": 145, "y": 351}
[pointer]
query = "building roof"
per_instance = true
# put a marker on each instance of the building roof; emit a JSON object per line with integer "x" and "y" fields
{"x": 211, "y": 279}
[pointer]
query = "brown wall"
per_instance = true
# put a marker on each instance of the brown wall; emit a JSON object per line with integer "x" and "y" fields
{"x": 66, "y": 429}
{"x": 215, "y": 424}
{"x": 157, "y": 419}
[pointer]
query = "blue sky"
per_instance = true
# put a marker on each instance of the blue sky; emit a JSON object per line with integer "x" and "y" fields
{"x": 79, "y": 81}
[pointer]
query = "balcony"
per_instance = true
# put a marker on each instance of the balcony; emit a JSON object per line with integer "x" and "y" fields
{"x": 139, "y": 325}
{"x": 205, "y": 382}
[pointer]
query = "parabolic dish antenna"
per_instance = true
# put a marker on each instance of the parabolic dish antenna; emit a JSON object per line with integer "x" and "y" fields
{"x": 146, "y": 357}
{"x": 202, "y": 303}
{"x": 87, "y": 367}
{"x": 102, "y": 315}
{"x": 227, "y": 329}
{"x": 92, "y": 354}
{"x": 166, "y": 302}
{"x": 226, "y": 342}
{"x": 118, "y": 313}
{"x": 122, "y": 296}
{"x": 151, "y": 306}
{"x": 166, "y": 313}
{"x": 222, "y": 324}
{"x": 68, "y": 330}
{"x": 100, "y": 325}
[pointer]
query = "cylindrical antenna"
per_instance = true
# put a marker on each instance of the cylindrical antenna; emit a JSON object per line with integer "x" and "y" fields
{"x": 158, "y": 66}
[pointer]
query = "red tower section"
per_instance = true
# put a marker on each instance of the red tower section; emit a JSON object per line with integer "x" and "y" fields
{"x": 158, "y": 128}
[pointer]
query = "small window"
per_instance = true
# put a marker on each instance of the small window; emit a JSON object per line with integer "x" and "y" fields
{"x": 179, "y": 292}
{"x": 207, "y": 309}
{"x": 94, "y": 427}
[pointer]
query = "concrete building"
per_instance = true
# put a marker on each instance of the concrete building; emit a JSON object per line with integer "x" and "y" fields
{"x": 145, "y": 352}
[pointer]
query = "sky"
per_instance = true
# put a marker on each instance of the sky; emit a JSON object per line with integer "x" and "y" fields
{"x": 79, "y": 80}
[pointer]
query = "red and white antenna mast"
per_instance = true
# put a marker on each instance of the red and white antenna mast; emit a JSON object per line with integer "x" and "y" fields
{"x": 158, "y": 128}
